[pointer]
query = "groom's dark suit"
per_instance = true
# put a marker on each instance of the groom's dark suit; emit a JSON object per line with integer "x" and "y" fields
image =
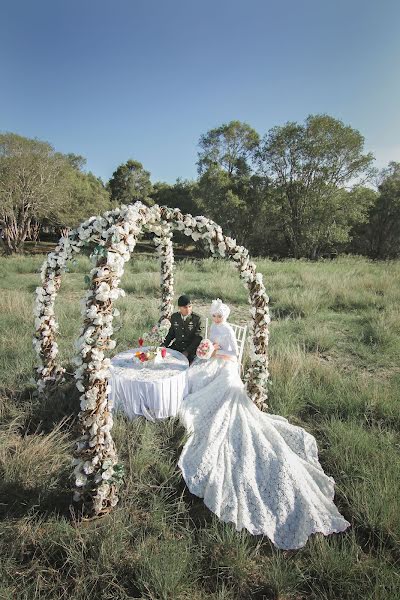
{"x": 185, "y": 334}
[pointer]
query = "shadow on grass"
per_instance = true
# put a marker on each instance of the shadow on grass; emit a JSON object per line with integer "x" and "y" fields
{"x": 17, "y": 500}
{"x": 60, "y": 404}
{"x": 35, "y": 451}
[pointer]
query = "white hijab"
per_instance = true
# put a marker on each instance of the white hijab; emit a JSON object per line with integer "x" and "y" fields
{"x": 219, "y": 308}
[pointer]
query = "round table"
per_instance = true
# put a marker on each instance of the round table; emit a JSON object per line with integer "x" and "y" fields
{"x": 153, "y": 390}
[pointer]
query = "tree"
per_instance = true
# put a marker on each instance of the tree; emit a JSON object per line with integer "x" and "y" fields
{"x": 230, "y": 146}
{"x": 380, "y": 236}
{"x": 225, "y": 177}
{"x": 85, "y": 196}
{"x": 182, "y": 195}
{"x": 130, "y": 182}
{"x": 218, "y": 196}
{"x": 32, "y": 177}
{"x": 76, "y": 161}
{"x": 309, "y": 165}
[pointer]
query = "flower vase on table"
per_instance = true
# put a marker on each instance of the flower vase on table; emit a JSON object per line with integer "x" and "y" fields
{"x": 153, "y": 352}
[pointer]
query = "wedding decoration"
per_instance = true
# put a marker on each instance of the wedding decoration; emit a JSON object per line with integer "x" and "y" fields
{"x": 110, "y": 239}
{"x": 153, "y": 340}
{"x": 205, "y": 349}
{"x": 153, "y": 354}
{"x": 158, "y": 333}
{"x": 163, "y": 244}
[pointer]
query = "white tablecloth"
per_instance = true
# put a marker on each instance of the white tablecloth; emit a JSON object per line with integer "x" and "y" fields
{"x": 152, "y": 390}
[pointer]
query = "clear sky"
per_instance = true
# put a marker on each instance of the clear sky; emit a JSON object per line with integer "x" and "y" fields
{"x": 143, "y": 79}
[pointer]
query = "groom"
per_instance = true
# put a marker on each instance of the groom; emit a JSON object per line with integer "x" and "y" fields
{"x": 185, "y": 330}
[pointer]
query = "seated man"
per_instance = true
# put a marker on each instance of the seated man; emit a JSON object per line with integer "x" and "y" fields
{"x": 185, "y": 330}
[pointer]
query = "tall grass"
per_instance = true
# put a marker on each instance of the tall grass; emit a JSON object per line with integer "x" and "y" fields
{"x": 334, "y": 361}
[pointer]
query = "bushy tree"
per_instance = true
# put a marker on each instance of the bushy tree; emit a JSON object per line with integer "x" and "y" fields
{"x": 85, "y": 196}
{"x": 32, "y": 183}
{"x": 227, "y": 187}
{"x": 130, "y": 182}
{"x": 231, "y": 147}
{"x": 183, "y": 195}
{"x": 309, "y": 166}
{"x": 379, "y": 237}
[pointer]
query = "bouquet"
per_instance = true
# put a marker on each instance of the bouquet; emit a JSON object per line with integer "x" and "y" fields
{"x": 205, "y": 349}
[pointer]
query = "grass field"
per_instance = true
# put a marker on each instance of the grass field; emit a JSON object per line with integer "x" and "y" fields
{"x": 335, "y": 369}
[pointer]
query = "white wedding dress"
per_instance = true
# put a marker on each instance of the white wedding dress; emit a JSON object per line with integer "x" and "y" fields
{"x": 253, "y": 469}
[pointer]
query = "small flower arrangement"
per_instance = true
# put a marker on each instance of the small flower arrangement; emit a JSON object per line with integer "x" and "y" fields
{"x": 153, "y": 340}
{"x": 147, "y": 355}
{"x": 156, "y": 336}
{"x": 205, "y": 349}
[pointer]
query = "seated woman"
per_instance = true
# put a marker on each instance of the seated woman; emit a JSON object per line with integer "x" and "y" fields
{"x": 253, "y": 469}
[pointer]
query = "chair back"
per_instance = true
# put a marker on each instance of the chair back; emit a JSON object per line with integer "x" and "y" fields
{"x": 240, "y": 333}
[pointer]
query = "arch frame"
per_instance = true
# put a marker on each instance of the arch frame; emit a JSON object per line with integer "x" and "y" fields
{"x": 111, "y": 238}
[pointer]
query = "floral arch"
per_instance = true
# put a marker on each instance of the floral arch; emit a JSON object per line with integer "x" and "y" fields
{"x": 110, "y": 239}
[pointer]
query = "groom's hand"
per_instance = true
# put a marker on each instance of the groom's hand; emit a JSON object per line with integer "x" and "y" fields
{"x": 185, "y": 353}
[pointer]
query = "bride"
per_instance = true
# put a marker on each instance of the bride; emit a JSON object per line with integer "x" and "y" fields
{"x": 252, "y": 468}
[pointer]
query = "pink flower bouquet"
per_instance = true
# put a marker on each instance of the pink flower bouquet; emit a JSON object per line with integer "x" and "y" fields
{"x": 205, "y": 349}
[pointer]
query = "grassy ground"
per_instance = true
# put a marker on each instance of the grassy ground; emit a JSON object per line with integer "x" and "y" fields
{"x": 335, "y": 351}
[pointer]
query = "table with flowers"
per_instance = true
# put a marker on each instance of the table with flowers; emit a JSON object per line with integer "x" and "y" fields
{"x": 152, "y": 388}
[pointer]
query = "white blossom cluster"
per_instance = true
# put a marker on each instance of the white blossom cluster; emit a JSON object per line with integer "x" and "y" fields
{"x": 111, "y": 238}
{"x": 46, "y": 326}
{"x": 96, "y": 456}
{"x": 163, "y": 243}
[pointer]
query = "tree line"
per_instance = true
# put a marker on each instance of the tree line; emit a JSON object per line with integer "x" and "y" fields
{"x": 302, "y": 190}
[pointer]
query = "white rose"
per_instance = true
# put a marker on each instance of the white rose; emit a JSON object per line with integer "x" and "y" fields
{"x": 80, "y": 386}
{"x": 102, "y": 291}
{"x": 81, "y": 480}
{"x": 222, "y": 248}
{"x": 108, "y": 474}
{"x": 88, "y": 467}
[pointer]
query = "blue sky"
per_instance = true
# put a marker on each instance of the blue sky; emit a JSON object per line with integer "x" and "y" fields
{"x": 143, "y": 79}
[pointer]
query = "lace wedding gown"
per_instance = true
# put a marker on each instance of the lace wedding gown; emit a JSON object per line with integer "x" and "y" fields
{"x": 252, "y": 468}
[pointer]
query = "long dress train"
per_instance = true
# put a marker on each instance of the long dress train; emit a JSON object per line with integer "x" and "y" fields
{"x": 253, "y": 469}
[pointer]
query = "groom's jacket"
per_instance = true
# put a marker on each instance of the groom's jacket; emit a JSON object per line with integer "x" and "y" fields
{"x": 185, "y": 334}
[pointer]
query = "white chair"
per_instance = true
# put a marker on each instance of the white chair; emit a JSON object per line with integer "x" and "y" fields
{"x": 240, "y": 332}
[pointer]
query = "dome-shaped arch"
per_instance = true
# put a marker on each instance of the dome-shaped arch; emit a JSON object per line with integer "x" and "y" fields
{"x": 112, "y": 238}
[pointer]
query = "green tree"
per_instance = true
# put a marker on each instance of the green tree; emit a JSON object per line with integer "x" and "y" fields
{"x": 130, "y": 182}
{"x": 225, "y": 178}
{"x": 32, "y": 183}
{"x": 242, "y": 205}
{"x": 309, "y": 165}
{"x": 85, "y": 196}
{"x": 219, "y": 198}
{"x": 379, "y": 237}
{"x": 183, "y": 195}
{"x": 231, "y": 147}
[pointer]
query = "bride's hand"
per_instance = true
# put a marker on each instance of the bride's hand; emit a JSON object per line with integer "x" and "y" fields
{"x": 217, "y": 346}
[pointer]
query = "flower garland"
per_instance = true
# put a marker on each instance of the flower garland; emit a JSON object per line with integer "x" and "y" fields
{"x": 46, "y": 326}
{"x": 97, "y": 472}
{"x": 112, "y": 238}
{"x": 163, "y": 243}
